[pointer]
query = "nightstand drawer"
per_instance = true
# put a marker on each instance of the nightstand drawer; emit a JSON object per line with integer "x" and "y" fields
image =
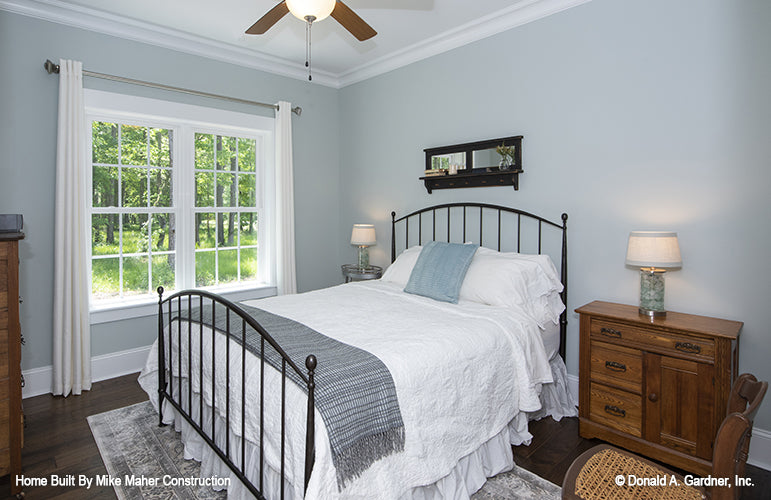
{"x": 617, "y": 366}
{"x": 620, "y": 410}
{"x": 653, "y": 339}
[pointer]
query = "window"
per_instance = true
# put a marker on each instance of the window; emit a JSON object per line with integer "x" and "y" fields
{"x": 177, "y": 198}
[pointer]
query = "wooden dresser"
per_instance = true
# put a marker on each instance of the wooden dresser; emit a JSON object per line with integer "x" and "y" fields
{"x": 10, "y": 358}
{"x": 658, "y": 387}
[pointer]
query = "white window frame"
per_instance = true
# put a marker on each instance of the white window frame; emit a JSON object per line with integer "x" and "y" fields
{"x": 184, "y": 121}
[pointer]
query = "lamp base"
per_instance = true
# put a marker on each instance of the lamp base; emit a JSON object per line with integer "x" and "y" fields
{"x": 652, "y": 292}
{"x": 363, "y": 257}
{"x": 651, "y": 314}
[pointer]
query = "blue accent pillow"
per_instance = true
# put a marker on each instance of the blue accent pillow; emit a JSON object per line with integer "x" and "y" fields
{"x": 440, "y": 269}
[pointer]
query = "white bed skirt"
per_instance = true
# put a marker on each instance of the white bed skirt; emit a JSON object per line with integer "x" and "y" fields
{"x": 467, "y": 477}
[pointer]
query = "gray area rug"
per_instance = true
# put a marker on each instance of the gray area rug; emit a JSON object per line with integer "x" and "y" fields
{"x": 131, "y": 444}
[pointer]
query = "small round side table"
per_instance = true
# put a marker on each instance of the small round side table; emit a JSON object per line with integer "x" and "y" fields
{"x": 352, "y": 272}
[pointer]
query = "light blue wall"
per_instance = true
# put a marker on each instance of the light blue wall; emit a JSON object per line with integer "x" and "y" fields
{"x": 28, "y": 108}
{"x": 636, "y": 114}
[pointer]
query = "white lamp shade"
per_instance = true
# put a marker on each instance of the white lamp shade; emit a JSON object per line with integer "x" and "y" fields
{"x": 653, "y": 249}
{"x": 320, "y": 9}
{"x": 363, "y": 235}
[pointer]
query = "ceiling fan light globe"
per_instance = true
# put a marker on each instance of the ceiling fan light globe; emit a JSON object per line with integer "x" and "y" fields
{"x": 319, "y": 9}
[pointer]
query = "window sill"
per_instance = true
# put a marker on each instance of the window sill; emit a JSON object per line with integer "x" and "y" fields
{"x": 147, "y": 306}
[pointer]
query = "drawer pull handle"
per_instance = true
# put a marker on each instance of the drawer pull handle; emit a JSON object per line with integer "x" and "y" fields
{"x": 615, "y": 366}
{"x": 610, "y": 332}
{"x": 615, "y": 411}
{"x": 687, "y": 347}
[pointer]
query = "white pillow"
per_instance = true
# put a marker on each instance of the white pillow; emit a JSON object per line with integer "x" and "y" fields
{"x": 518, "y": 280}
{"x": 400, "y": 270}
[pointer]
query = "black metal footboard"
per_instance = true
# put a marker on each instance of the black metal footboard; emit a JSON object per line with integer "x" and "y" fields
{"x": 183, "y": 326}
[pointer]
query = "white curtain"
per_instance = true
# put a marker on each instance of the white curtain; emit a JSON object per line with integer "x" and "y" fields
{"x": 72, "y": 336}
{"x": 286, "y": 278}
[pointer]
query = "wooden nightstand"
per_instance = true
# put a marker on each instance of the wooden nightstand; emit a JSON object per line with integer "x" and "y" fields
{"x": 658, "y": 386}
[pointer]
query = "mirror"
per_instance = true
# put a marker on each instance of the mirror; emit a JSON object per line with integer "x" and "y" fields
{"x": 452, "y": 162}
{"x": 492, "y": 155}
{"x": 486, "y": 158}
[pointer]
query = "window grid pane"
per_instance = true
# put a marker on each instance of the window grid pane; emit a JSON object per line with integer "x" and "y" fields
{"x": 225, "y": 201}
{"x": 127, "y": 229}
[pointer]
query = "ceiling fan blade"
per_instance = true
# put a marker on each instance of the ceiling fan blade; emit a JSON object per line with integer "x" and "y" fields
{"x": 352, "y": 22}
{"x": 269, "y": 19}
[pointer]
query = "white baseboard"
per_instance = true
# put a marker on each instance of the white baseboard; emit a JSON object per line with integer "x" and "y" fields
{"x": 38, "y": 381}
{"x": 120, "y": 363}
{"x": 760, "y": 445}
{"x": 760, "y": 449}
{"x": 116, "y": 364}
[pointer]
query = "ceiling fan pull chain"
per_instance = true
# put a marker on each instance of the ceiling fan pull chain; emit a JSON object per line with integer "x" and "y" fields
{"x": 308, "y": 27}
{"x": 310, "y": 31}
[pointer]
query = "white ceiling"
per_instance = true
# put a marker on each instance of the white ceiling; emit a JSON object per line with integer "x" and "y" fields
{"x": 408, "y": 30}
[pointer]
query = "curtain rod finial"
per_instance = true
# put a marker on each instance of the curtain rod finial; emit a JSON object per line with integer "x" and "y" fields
{"x": 51, "y": 67}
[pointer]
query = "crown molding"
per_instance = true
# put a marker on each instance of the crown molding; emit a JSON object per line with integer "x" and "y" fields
{"x": 492, "y": 24}
{"x": 130, "y": 29}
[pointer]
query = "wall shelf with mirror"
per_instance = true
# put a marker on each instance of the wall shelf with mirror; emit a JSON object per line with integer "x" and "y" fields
{"x": 494, "y": 162}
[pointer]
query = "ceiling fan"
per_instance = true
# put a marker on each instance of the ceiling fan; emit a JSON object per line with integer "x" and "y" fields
{"x": 312, "y": 11}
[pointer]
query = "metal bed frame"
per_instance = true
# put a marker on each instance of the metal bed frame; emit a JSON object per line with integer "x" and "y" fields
{"x": 185, "y": 308}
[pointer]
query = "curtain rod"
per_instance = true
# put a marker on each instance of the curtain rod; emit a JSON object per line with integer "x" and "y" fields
{"x": 51, "y": 68}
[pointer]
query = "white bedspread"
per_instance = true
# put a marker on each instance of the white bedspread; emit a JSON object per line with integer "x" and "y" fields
{"x": 462, "y": 373}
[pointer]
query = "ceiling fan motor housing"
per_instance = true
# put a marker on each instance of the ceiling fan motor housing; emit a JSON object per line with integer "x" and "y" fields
{"x": 317, "y": 9}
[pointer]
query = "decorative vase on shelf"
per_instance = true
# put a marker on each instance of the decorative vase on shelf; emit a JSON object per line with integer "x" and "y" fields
{"x": 507, "y": 156}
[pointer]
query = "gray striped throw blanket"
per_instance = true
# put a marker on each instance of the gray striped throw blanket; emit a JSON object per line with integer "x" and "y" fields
{"x": 355, "y": 392}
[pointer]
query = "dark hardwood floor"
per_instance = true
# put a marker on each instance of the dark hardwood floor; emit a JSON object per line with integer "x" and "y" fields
{"x": 58, "y": 441}
{"x": 57, "y": 438}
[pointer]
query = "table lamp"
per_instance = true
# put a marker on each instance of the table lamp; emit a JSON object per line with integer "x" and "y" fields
{"x": 363, "y": 236}
{"x": 652, "y": 252}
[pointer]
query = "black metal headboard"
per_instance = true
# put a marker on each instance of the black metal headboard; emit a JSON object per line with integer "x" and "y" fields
{"x": 508, "y": 223}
